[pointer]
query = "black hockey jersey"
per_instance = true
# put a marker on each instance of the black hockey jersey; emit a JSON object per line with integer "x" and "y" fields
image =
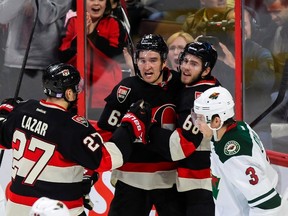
{"x": 193, "y": 171}
{"x": 186, "y": 144}
{"x": 51, "y": 147}
{"x": 145, "y": 169}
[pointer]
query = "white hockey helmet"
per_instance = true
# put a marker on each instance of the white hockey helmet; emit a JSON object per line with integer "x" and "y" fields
{"x": 216, "y": 100}
{"x": 49, "y": 207}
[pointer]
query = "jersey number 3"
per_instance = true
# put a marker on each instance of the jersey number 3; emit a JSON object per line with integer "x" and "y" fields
{"x": 30, "y": 169}
{"x": 253, "y": 176}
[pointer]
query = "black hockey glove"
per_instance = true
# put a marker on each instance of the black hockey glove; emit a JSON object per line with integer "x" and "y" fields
{"x": 7, "y": 105}
{"x": 87, "y": 182}
{"x": 139, "y": 118}
{"x": 88, "y": 204}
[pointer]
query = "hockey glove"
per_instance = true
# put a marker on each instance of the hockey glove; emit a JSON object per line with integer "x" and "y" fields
{"x": 89, "y": 179}
{"x": 88, "y": 204}
{"x": 139, "y": 118}
{"x": 8, "y": 105}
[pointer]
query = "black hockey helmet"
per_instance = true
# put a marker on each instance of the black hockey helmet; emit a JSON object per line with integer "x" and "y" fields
{"x": 58, "y": 77}
{"x": 202, "y": 50}
{"x": 152, "y": 42}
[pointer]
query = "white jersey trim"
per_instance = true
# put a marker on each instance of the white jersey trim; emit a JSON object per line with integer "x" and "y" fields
{"x": 144, "y": 180}
{"x": 186, "y": 184}
{"x": 176, "y": 150}
{"x": 175, "y": 147}
{"x": 115, "y": 154}
{"x": 65, "y": 174}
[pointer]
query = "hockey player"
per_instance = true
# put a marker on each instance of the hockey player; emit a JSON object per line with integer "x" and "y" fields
{"x": 243, "y": 180}
{"x": 185, "y": 144}
{"x": 147, "y": 179}
{"x": 51, "y": 146}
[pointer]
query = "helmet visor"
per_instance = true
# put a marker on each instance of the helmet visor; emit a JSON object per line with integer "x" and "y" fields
{"x": 197, "y": 119}
{"x": 80, "y": 86}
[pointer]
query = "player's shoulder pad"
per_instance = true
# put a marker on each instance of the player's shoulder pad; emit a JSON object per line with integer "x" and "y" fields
{"x": 129, "y": 80}
{"x": 239, "y": 142}
{"x": 26, "y": 103}
{"x": 123, "y": 90}
{"x": 81, "y": 120}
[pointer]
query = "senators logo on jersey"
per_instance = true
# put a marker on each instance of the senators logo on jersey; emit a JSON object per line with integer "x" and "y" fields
{"x": 80, "y": 120}
{"x": 165, "y": 115}
{"x": 122, "y": 93}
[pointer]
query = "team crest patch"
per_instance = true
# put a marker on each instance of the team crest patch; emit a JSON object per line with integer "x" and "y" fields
{"x": 231, "y": 148}
{"x": 122, "y": 93}
{"x": 80, "y": 120}
{"x": 65, "y": 72}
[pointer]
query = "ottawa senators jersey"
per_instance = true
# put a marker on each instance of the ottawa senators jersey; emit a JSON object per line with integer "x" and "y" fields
{"x": 144, "y": 165}
{"x": 50, "y": 148}
{"x": 185, "y": 144}
{"x": 194, "y": 170}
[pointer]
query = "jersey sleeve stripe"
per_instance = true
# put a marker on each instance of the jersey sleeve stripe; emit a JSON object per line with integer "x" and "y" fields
{"x": 179, "y": 146}
{"x": 272, "y": 194}
{"x": 48, "y": 175}
{"x": 112, "y": 157}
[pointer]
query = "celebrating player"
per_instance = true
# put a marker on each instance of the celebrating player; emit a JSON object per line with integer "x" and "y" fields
{"x": 243, "y": 180}
{"x": 51, "y": 146}
{"x": 147, "y": 178}
{"x": 185, "y": 144}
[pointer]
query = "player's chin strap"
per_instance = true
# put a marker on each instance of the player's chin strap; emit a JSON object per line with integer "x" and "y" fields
{"x": 214, "y": 131}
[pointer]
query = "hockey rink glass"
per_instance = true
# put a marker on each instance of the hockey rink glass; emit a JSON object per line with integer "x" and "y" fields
{"x": 197, "y": 119}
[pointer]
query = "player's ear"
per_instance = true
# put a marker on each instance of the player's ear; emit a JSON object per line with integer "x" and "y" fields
{"x": 70, "y": 94}
{"x": 216, "y": 121}
{"x": 206, "y": 72}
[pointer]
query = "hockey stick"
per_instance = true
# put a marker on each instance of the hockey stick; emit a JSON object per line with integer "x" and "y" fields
{"x": 130, "y": 41}
{"x": 132, "y": 52}
{"x": 26, "y": 53}
{"x": 23, "y": 65}
{"x": 280, "y": 96}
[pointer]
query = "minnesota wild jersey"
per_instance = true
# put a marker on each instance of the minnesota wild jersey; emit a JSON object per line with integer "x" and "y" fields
{"x": 243, "y": 180}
